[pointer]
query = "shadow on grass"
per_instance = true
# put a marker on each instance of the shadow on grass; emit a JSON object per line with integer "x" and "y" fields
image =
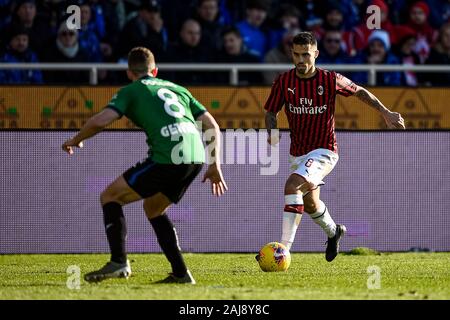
{"x": 362, "y": 251}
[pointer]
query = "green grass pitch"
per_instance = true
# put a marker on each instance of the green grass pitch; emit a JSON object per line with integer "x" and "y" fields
{"x": 232, "y": 276}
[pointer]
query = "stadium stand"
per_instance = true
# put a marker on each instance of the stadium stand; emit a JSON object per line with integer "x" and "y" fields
{"x": 417, "y": 35}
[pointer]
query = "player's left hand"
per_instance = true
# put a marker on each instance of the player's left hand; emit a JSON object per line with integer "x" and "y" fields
{"x": 218, "y": 185}
{"x": 69, "y": 144}
{"x": 394, "y": 120}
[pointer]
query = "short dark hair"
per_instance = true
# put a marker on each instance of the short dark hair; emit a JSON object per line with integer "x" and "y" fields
{"x": 258, "y": 4}
{"x": 15, "y": 31}
{"x": 231, "y": 29}
{"x": 150, "y": 6}
{"x": 305, "y": 38}
{"x": 200, "y": 2}
{"x": 289, "y": 10}
{"x": 140, "y": 60}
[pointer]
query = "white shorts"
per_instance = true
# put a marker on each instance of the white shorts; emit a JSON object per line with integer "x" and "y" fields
{"x": 314, "y": 166}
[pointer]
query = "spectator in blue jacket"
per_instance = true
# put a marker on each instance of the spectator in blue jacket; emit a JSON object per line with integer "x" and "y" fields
{"x": 5, "y": 13}
{"x": 18, "y": 51}
{"x": 354, "y": 12}
{"x": 378, "y": 52}
{"x": 439, "y": 12}
{"x": 253, "y": 34}
{"x": 25, "y": 16}
{"x": 97, "y": 22}
{"x": 287, "y": 18}
{"x": 87, "y": 37}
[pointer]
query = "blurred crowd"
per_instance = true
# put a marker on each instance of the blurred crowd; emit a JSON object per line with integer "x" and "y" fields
{"x": 223, "y": 31}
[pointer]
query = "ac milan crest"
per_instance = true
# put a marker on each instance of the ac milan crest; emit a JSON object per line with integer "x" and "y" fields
{"x": 320, "y": 90}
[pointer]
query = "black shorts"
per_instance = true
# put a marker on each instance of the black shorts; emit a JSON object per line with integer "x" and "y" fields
{"x": 148, "y": 178}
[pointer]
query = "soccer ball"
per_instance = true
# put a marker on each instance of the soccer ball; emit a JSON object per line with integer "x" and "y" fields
{"x": 274, "y": 257}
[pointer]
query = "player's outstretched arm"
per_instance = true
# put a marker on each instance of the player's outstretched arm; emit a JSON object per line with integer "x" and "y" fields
{"x": 93, "y": 126}
{"x": 271, "y": 124}
{"x": 392, "y": 119}
{"x": 214, "y": 171}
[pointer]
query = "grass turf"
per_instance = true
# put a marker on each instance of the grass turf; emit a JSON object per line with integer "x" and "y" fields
{"x": 232, "y": 276}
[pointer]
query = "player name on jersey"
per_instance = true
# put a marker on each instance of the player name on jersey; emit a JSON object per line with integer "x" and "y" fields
{"x": 177, "y": 129}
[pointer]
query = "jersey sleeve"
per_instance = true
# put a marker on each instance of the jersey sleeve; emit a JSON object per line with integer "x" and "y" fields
{"x": 276, "y": 98}
{"x": 344, "y": 86}
{"x": 197, "y": 108}
{"x": 119, "y": 102}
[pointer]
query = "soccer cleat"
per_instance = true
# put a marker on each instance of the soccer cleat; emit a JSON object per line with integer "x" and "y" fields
{"x": 333, "y": 243}
{"x": 110, "y": 270}
{"x": 186, "y": 279}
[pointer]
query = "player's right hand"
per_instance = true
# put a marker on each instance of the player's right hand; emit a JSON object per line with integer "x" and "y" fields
{"x": 218, "y": 185}
{"x": 69, "y": 144}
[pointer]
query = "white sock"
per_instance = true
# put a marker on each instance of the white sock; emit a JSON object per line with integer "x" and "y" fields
{"x": 323, "y": 219}
{"x": 291, "y": 220}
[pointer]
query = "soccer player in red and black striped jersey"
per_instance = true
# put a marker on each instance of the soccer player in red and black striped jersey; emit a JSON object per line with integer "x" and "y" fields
{"x": 308, "y": 95}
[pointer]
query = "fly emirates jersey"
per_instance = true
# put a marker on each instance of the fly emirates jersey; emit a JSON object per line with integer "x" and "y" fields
{"x": 309, "y": 105}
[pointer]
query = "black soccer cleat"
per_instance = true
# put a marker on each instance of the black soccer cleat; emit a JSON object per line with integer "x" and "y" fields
{"x": 186, "y": 279}
{"x": 333, "y": 243}
{"x": 110, "y": 270}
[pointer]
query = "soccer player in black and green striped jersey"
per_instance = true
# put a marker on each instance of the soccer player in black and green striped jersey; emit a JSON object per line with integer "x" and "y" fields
{"x": 169, "y": 115}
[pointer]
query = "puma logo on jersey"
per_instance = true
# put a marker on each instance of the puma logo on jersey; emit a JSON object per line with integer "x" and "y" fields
{"x": 291, "y": 90}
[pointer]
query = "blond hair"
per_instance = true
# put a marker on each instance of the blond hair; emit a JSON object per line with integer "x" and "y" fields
{"x": 140, "y": 60}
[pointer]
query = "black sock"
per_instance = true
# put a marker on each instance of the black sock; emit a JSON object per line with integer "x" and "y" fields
{"x": 167, "y": 239}
{"x": 116, "y": 231}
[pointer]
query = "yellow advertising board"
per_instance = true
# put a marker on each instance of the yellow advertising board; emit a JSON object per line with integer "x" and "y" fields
{"x": 233, "y": 107}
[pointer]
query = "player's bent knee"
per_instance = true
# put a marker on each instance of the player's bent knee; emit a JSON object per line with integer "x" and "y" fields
{"x": 293, "y": 184}
{"x": 106, "y": 197}
{"x": 153, "y": 214}
{"x": 110, "y": 196}
{"x": 156, "y": 206}
{"x": 296, "y": 183}
{"x": 152, "y": 211}
{"x": 310, "y": 207}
